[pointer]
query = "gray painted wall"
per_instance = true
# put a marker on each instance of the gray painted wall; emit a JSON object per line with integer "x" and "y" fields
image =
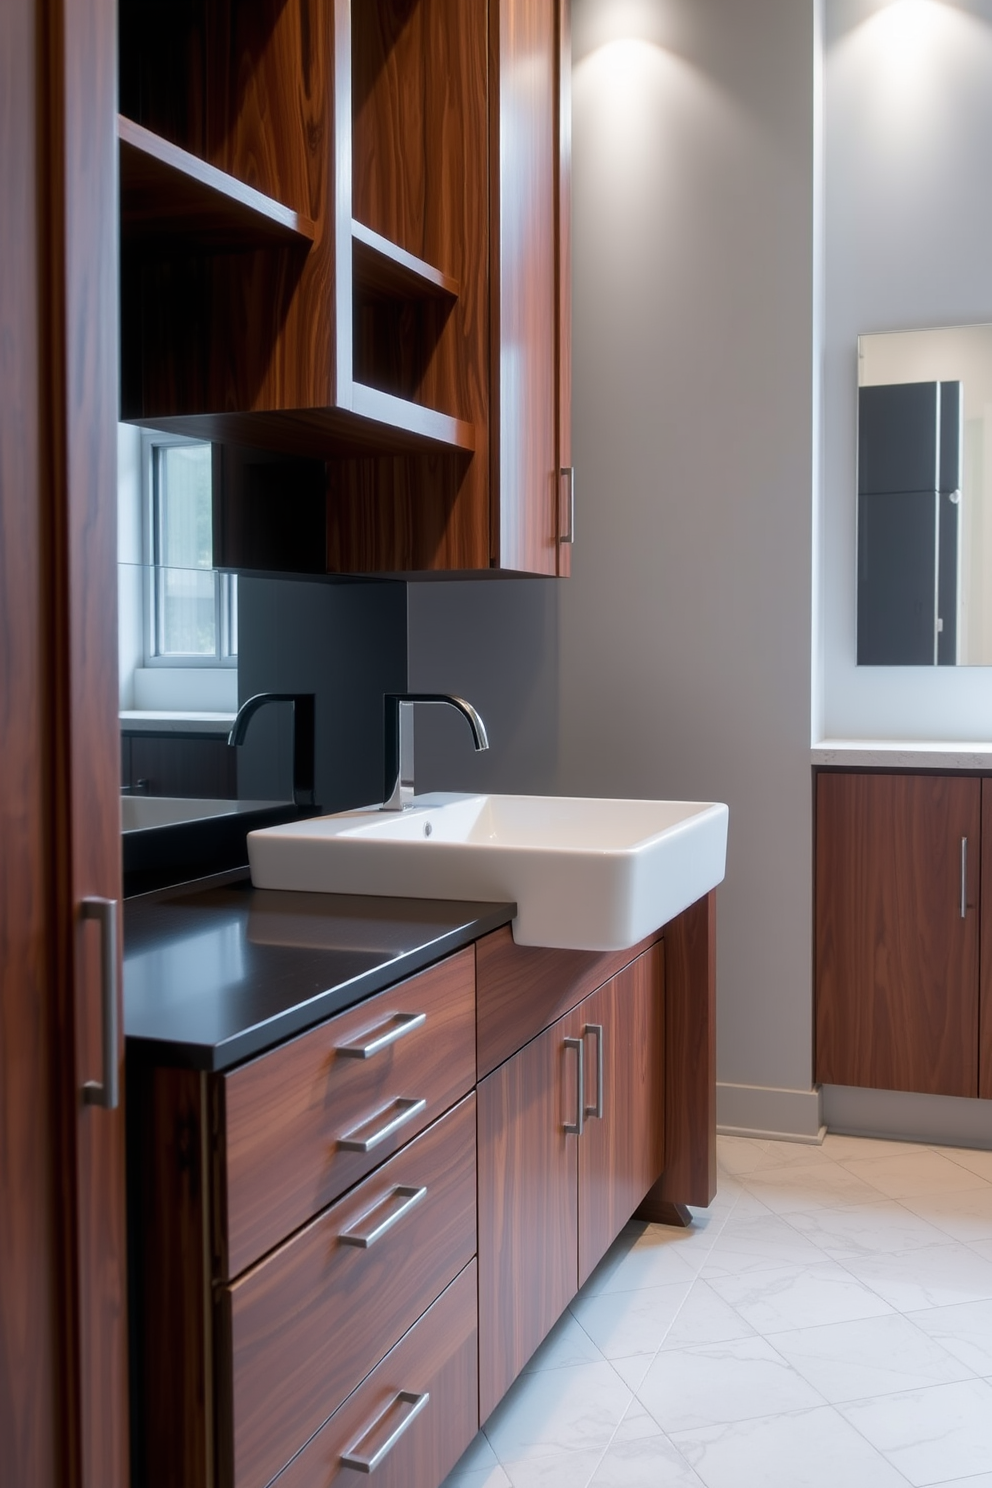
{"x": 685, "y": 631}
{"x": 908, "y": 222}
{"x": 344, "y": 642}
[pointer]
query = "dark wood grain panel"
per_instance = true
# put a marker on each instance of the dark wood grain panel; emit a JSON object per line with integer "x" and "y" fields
{"x": 83, "y": 392}
{"x": 285, "y": 1112}
{"x": 985, "y": 937}
{"x": 37, "y": 1425}
{"x": 528, "y": 1201}
{"x": 896, "y": 964}
{"x": 387, "y": 268}
{"x": 690, "y": 1064}
{"x": 169, "y": 1249}
{"x": 306, "y": 1326}
{"x": 265, "y": 113}
{"x": 438, "y": 1357}
{"x": 169, "y": 192}
{"x": 525, "y": 284}
{"x": 523, "y": 989}
{"x": 421, "y": 181}
{"x": 622, "y": 1152}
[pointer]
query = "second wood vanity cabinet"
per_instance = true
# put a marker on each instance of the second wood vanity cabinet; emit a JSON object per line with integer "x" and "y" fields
{"x": 903, "y": 932}
{"x": 346, "y": 1248}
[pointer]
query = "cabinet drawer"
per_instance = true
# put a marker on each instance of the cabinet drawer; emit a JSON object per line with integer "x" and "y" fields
{"x": 304, "y": 1327}
{"x": 437, "y": 1358}
{"x": 303, "y": 1123}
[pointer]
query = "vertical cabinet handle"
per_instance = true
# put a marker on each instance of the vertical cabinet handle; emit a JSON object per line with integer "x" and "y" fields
{"x": 596, "y": 1029}
{"x": 964, "y": 877}
{"x": 105, "y": 1093}
{"x": 566, "y": 478}
{"x": 365, "y": 1461}
{"x": 574, "y": 1129}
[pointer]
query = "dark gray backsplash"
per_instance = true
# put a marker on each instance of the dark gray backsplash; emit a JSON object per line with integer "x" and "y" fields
{"x": 347, "y": 643}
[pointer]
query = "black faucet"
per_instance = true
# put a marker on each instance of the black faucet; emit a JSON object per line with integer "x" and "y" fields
{"x": 398, "y": 760}
{"x": 304, "y": 728}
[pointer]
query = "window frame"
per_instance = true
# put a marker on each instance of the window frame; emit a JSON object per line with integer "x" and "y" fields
{"x": 225, "y": 584}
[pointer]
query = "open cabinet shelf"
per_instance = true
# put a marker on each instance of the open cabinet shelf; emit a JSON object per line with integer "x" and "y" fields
{"x": 167, "y": 193}
{"x": 383, "y": 267}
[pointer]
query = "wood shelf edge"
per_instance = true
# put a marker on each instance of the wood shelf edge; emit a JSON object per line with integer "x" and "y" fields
{"x": 237, "y": 204}
{"x": 412, "y": 418}
{"x": 383, "y": 264}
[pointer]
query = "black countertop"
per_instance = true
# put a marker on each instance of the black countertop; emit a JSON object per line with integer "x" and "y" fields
{"x": 216, "y": 972}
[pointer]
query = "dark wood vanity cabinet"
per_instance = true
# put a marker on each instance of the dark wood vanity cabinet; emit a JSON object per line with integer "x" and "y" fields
{"x": 571, "y": 1139}
{"x": 903, "y": 933}
{"x": 352, "y": 1233}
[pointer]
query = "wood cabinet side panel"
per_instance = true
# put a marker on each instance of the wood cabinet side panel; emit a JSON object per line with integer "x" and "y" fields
{"x": 168, "y": 1246}
{"x": 524, "y": 989}
{"x": 622, "y": 1153}
{"x": 896, "y": 963}
{"x": 985, "y": 935}
{"x": 527, "y": 1206}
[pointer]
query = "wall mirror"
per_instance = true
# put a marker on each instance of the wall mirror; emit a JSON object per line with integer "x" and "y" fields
{"x": 925, "y": 498}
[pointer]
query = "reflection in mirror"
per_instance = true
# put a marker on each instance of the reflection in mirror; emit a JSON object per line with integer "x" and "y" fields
{"x": 925, "y": 498}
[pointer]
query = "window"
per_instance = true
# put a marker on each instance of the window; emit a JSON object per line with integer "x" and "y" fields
{"x": 191, "y": 609}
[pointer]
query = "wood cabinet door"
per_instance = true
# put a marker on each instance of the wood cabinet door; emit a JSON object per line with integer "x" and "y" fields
{"x": 622, "y": 1149}
{"x": 525, "y": 286}
{"x": 985, "y": 1004}
{"x": 897, "y": 926}
{"x": 528, "y": 1168}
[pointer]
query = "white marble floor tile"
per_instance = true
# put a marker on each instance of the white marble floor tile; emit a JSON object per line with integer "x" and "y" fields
{"x": 964, "y": 1216}
{"x": 689, "y": 1388}
{"x": 556, "y": 1470}
{"x": 705, "y": 1318}
{"x": 805, "y": 1449}
{"x": 484, "y": 1477}
{"x": 646, "y": 1256}
{"x": 932, "y": 1435}
{"x": 776, "y": 1301}
{"x": 868, "y": 1229}
{"x": 981, "y": 1248}
{"x": 757, "y": 1243}
{"x": 477, "y": 1468}
{"x": 975, "y": 1159}
{"x": 913, "y": 1174}
{"x": 624, "y": 1323}
{"x": 573, "y": 1409}
{"x": 874, "y": 1356}
{"x": 567, "y": 1343}
{"x": 964, "y": 1331}
{"x": 802, "y": 1187}
{"x": 649, "y": 1462}
{"x": 636, "y": 1424}
{"x": 632, "y": 1372}
{"x": 840, "y": 1147}
{"x": 933, "y": 1276}
{"x": 739, "y": 1154}
{"x": 794, "y": 1154}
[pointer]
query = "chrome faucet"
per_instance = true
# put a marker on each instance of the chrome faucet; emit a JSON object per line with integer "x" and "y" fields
{"x": 398, "y": 718}
{"x": 304, "y": 725}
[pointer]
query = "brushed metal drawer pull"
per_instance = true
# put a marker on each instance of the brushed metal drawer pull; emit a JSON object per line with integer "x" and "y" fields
{"x": 359, "y": 1461}
{"x": 574, "y": 1129}
{"x": 596, "y": 1029}
{"x": 397, "y": 1027}
{"x": 964, "y": 878}
{"x": 405, "y": 1110}
{"x": 411, "y": 1196}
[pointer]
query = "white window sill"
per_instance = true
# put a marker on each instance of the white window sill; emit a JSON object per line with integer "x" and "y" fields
{"x": 161, "y": 721}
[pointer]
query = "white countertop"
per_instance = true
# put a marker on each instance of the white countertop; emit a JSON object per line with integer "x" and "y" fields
{"x": 903, "y": 754}
{"x": 149, "y": 721}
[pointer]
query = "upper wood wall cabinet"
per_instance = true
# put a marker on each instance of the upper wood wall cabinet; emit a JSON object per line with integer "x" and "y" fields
{"x": 344, "y": 235}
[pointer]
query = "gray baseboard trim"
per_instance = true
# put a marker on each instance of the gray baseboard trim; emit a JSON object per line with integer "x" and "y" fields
{"x": 766, "y": 1112}
{"x": 897, "y": 1115}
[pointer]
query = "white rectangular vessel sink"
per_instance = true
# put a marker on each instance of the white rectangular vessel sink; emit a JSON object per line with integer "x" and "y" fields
{"x": 585, "y": 874}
